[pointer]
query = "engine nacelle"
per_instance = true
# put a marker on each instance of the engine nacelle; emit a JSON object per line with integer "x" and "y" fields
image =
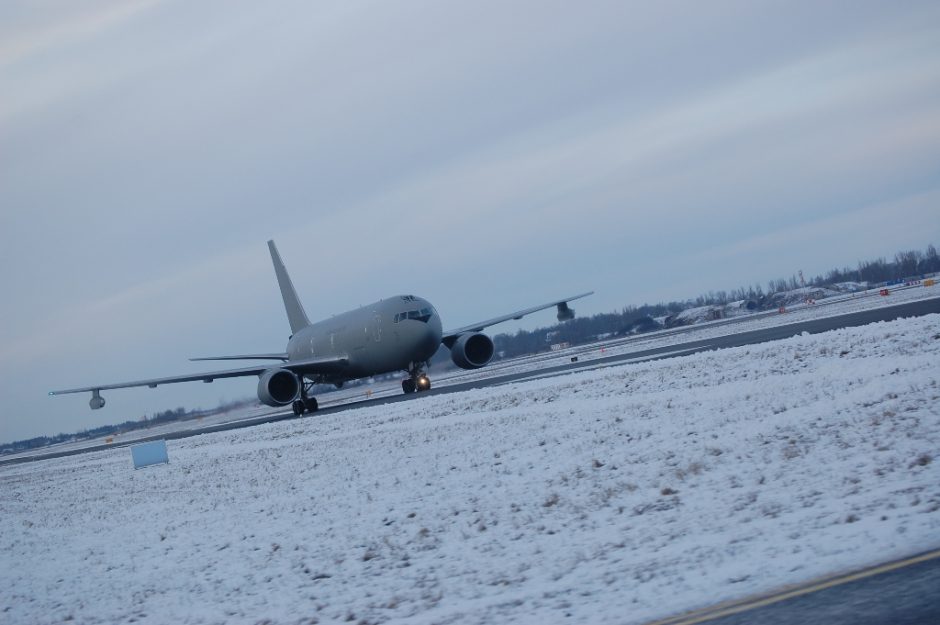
{"x": 278, "y": 387}
{"x": 472, "y": 350}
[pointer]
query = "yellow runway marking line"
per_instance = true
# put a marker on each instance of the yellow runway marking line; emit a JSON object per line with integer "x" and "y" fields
{"x": 744, "y": 605}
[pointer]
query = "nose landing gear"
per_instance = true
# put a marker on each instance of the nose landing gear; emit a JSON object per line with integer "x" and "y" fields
{"x": 418, "y": 380}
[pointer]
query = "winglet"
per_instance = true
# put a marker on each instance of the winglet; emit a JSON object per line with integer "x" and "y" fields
{"x": 295, "y": 311}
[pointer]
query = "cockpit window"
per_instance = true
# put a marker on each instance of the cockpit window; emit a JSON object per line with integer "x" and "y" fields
{"x": 421, "y": 315}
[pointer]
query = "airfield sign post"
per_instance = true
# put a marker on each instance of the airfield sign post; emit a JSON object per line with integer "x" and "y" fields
{"x": 147, "y": 454}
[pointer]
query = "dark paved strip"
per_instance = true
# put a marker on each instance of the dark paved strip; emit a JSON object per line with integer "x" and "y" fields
{"x": 814, "y": 326}
{"x": 905, "y": 592}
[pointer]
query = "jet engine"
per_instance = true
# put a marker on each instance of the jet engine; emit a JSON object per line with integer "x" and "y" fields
{"x": 278, "y": 387}
{"x": 472, "y": 350}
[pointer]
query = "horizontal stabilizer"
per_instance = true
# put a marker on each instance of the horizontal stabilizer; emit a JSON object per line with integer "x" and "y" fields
{"x": 244, "y": 357}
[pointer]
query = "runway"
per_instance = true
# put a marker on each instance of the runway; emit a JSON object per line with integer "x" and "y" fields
{"x": 813, "y": 326}
{"x": 903, "y": 592}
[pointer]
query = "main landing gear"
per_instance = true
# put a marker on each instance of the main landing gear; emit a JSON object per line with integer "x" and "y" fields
{"x": 306, "y": 403}
{"x": 417, "y": 381}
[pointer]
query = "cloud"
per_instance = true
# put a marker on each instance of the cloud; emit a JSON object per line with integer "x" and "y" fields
{"x": 881, "y": 226}
{"x": 515, "y": 151}
{"x": 81, "y": 22}
{"x": 126, "y": 316}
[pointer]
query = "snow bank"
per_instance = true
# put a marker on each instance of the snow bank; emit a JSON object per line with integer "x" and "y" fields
{"x": 616, "y": 495}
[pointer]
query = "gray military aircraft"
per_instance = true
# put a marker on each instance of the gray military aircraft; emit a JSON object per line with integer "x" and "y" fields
{"x": 395, "y": 334}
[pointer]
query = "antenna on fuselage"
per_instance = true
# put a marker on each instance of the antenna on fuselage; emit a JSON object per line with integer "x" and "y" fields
{"x": 295, "y": 310}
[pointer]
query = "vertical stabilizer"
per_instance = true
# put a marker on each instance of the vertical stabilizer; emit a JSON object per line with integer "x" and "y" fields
{"x": 295, "y": 311}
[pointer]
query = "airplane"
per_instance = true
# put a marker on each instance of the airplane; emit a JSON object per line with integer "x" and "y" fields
{"x": 398, "y": 333}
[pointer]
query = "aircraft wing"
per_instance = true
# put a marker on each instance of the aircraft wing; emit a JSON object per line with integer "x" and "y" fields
{"x": 327, "y": 364}
{"x": 563, "y": 313}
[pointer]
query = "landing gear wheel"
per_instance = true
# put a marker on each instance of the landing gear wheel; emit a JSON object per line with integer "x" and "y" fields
{"x": 423, "y": 383}
{"x": 305, "y": 403}
{"x": 408, "y": 386}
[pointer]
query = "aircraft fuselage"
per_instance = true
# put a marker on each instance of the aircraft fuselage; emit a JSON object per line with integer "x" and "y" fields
{"x": 399, "y": 333}
{"x": 388, "y": 335}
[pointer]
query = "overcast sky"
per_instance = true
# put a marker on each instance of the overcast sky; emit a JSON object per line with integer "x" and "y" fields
{"x": 485, "y": 155}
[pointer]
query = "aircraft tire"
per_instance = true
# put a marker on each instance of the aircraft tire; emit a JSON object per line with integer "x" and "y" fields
{"x": 423, "y": 383}
{"x": 298, "y": 407}
{"x": 311, "y": 405}
{"x": 408, "y": 386}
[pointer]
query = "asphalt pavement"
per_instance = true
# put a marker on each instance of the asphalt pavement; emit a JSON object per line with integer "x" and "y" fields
{"x": 904, "y": 592}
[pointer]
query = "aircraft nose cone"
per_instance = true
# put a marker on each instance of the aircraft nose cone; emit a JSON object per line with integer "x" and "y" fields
{"x": 430, "y": 336}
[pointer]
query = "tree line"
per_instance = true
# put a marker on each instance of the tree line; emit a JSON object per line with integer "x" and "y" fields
{"x": 166, "y": 416}
{"x": 637, "y": 319}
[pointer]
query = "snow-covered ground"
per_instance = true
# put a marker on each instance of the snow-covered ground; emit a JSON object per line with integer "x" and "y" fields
{"x": 598, "y": 497}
